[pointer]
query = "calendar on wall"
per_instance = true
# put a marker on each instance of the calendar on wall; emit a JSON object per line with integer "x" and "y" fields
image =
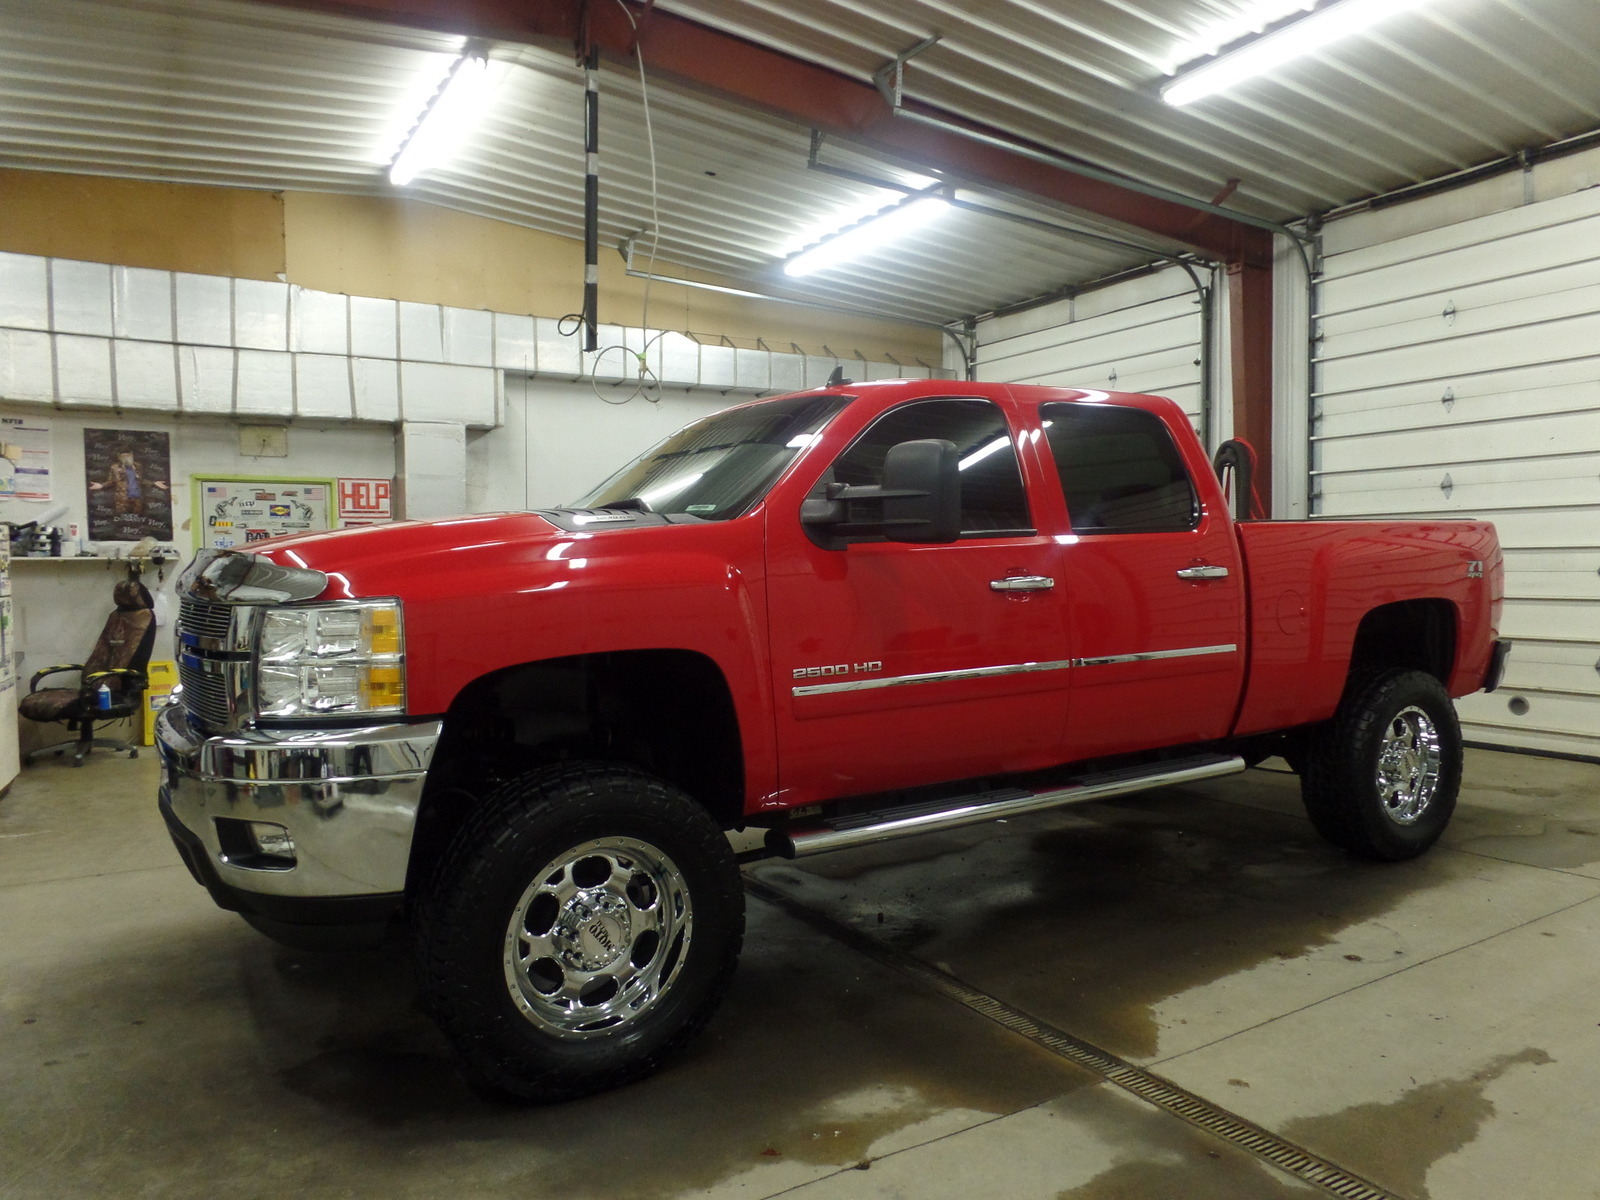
{"x": 232, "y": 512}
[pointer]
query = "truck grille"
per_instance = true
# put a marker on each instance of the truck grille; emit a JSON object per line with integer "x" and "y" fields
{"x": 205, "y": 694}
{"x": 205, "y": 619}
{"x": 211, "y": 660}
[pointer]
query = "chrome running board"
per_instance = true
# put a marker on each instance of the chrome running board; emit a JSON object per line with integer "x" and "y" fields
{"x": 862, "y": 829}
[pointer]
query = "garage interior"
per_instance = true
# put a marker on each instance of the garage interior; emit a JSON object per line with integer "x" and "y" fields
{"x": 1380, "y": 262}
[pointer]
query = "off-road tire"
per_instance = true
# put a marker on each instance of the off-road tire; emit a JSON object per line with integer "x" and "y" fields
{"x": 552, "y": 850}
{"x": 1381, "y": 778}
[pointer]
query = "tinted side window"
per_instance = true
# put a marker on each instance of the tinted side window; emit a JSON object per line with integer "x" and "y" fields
{"x": 992, "y": 496}
{"x": 1120, "y": 470}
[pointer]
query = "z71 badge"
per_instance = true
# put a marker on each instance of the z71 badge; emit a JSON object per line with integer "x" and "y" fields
{"x": 860, "y": 668}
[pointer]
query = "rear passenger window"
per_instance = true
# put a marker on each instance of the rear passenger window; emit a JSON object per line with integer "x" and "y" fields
{"x": 1120, "y": 470}
{"x": 993, "y": 501}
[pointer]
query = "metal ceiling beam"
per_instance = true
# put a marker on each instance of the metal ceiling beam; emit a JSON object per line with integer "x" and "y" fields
{"x": 821, "y": 98}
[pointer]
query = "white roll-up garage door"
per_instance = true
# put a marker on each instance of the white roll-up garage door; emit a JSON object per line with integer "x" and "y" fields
{"x": 1140, "y": 335}
{"x": 1459, "y": 375}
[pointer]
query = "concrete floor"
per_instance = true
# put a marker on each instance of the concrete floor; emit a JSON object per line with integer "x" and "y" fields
{"x": 1433, "y": 1027}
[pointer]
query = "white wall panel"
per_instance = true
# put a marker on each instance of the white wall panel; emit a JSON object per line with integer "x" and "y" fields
{"x": 265, "y": 384}
{"x": 468, "y": 337}
{"x": 24, "y": 291}
{"x": 1141, "y": 335}
{"x": 514, "y": 346}
{"x": 260, "y": 315}
{"x": 141, "y": 304}
{"x": 80, "y": 297}
{"x": 210, "y": 345}
{"x": 204, "y": 307}
{"x": 558, "y": 440}
{"x": 319, "y": 322}
{"x": 1495, "y": 396}
{"x": 718, "y": 366}
{"x": 147, "y": 375}
{"x": 376, "y": 384}
{"x": 83, "y": 370}
{"x": 753, "y": 369}
{"x": 205, "y": 379}
{"x": 557, "y": 354}
{"x": 374, "y": 329}
{"x": 322, "y": 386}
{"x": 788, "y": 370}
{"x": 441, "y": 392}
{"x": 27, "y": 367}
{"x": 421, "y": 332}
{"x": 1457, "y": 376}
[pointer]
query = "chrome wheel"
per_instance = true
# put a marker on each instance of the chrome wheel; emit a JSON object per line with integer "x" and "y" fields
{"x": 1408, "y": 765}
{"x": 598, "y": 937}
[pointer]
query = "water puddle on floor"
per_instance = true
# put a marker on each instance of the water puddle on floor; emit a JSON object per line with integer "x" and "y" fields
{"x": 1090, "y": 918}
{"x": 1395, "y": 1143}
{"x": 818, "y": 1058}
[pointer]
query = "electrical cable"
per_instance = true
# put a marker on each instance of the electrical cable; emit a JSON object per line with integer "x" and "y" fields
{"x": 647, "y": 385}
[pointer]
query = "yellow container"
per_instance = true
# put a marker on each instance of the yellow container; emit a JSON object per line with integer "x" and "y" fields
{"x": 163, "y": 678}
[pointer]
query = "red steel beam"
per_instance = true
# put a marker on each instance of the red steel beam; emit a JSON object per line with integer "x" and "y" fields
{"x": 1250, "y": 329}
{"x": 821, "y": 98}
{"x": 810, "y": 95}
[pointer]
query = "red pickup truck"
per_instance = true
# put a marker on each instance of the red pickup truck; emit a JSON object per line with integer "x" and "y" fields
{"x": 846, "y": 615}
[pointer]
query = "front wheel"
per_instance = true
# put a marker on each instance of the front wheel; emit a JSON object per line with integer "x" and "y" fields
{"x": 580, "y": 928}
{"x": 1381, "y": 778}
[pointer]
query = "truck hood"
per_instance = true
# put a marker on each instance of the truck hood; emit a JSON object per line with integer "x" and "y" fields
{"x": 417, "y": 559}
{"x": 385, "y": 559}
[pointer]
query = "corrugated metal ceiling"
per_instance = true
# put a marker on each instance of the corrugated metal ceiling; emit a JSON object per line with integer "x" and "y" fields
{"x": 1445, "y": 86}
{"x": 258, "y": 96}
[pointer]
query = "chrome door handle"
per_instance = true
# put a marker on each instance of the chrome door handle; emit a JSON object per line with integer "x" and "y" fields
{"x": 1203, "y": 573}
{"x": 1022, "y": 583}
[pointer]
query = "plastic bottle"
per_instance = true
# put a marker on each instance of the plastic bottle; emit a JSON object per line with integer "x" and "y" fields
{"x": 102, "y": 696}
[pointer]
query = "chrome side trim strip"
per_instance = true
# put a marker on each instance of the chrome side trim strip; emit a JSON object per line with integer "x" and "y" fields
{"x": 1152, "y": 655}
{"x": 798, "y": 843}
{"x": 869, "y": 685}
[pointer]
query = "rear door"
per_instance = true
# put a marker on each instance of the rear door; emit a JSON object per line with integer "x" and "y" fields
{"x": 1153, "y": 581}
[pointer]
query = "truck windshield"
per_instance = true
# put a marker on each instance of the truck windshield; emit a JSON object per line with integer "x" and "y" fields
{"x": 718, "y": 467}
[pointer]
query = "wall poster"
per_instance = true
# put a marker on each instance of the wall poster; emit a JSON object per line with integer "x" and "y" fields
{"x": 24, "y": 458}
{"x": 128, "y": 477}
{"x": 232, "y": 511}
{"x": 365, "y": 502}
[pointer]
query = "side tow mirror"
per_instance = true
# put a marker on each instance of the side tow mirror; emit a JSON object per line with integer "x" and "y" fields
{"x": 918, "y": 501}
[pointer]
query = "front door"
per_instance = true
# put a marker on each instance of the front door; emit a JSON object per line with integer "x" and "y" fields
{"x": 897, "y": 665}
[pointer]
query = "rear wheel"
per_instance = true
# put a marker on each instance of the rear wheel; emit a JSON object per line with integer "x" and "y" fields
{"x": 580, "y": 928}
{"x": 1381, "y": 778}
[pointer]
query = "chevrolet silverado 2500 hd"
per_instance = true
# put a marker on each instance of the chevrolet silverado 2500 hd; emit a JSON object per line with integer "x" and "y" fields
{"x": 845, "y": 615}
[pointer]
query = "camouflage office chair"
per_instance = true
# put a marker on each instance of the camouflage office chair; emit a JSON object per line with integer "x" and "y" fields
{"x": 119, "y": 661}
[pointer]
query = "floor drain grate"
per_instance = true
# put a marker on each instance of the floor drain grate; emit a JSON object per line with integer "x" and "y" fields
{"x": 1146, "y": 1085}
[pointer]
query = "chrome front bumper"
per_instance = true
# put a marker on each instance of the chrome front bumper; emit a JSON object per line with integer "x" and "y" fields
{"x": 348, "y": 797}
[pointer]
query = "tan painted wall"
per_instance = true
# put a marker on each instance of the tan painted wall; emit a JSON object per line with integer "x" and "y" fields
{"x": 398, "y": 249}
{"x": 168, "y": 226}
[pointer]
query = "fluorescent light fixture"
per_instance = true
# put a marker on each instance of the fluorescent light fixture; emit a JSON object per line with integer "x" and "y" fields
{"x": 443, "y": 123}
{"x": 1316, "y": 31}
{"x": 984, "y": 451}
{"x": 671, "y": 488}
{"x": 863, "y": 238}
{"x": 1253, "y": 18}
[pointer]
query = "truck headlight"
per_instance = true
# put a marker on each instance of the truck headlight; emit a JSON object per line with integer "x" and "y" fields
{"x": 343, "y": 659}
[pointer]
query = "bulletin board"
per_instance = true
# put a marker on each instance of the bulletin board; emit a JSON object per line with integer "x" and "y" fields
{"x": 232, "y": 510}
